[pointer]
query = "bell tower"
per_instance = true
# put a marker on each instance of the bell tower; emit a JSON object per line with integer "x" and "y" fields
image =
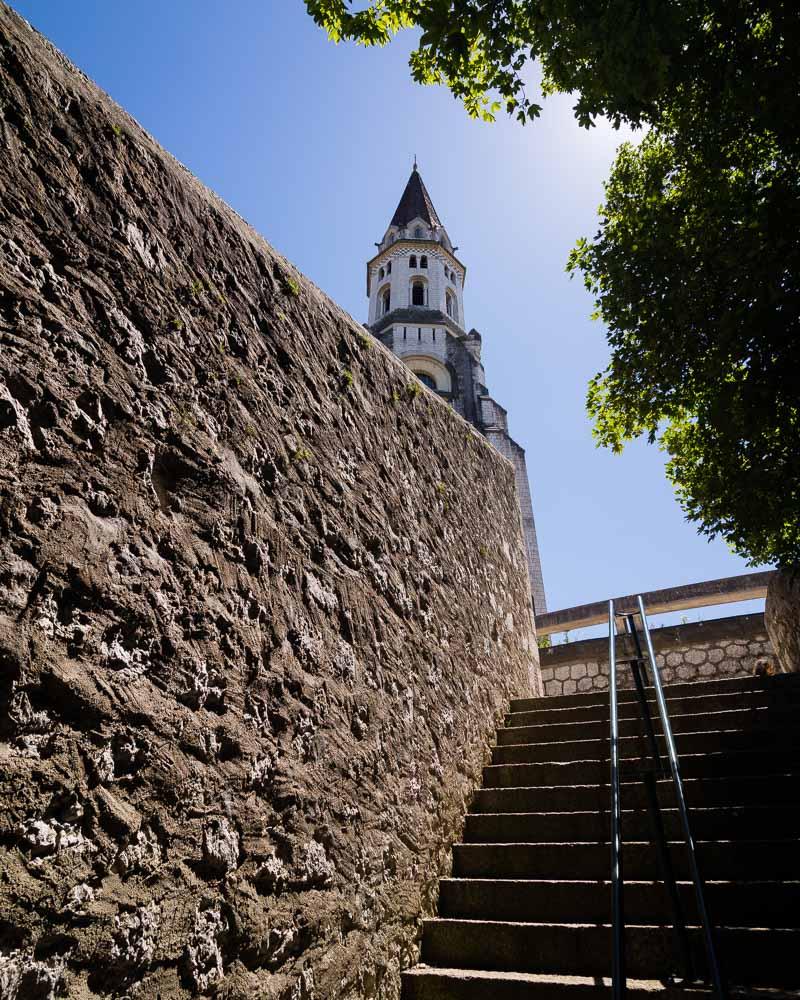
{"x": 415, "y": 287}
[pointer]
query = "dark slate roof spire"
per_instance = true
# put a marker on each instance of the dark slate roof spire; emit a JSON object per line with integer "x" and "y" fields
{"x": 415, "y": 203}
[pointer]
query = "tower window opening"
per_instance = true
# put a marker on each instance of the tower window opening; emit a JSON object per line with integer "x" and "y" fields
{"x": 434, "y": 336}
{"x": 386, "y": 301}
{"x": 389, "y": 268}
{"x": 418, "y": 233}
{"x": 405, "y": 330}
{"x": 380, "y": 273}
{"x": 450, "y": 305}
{"x": 419, "y": 333}
{"x": 426, "y": 379}
{"x": 412, "y": 261}
{"x": 423, "y": 262}
{"x": 417, "y": 294}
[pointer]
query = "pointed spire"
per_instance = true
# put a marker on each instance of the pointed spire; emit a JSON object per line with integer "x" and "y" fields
{"x": 415, "y": 203}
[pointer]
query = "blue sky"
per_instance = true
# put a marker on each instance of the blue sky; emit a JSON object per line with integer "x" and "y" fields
{"x": 313, "y": 143}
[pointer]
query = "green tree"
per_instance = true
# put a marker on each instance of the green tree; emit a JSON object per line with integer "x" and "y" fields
{"x": 695, "y": 267}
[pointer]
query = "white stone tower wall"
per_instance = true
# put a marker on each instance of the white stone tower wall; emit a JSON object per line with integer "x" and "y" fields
{"x": 399, "y": 281}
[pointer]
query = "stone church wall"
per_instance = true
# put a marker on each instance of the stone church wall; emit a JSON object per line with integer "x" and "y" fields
{"x": 263, "y": 597}
{"x": 698, "y": 651}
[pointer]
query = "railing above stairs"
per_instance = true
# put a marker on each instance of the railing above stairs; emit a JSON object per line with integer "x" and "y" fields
{"x": 650, "y": 772}
{"x": 709, "y": 593}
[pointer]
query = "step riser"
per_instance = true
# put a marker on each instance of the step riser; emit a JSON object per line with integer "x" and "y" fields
{"x": 787, "y": 702}
{"x": 742, "y": 719}
{"x": 635, "y": 746}
{"x": 776, "y": 687}
{"x": 586, "y": 951}
{"x": 723, "y": 824}
{"x": 563, "y": 798}
{"x": 768, "y": 904}
{"x": 761, "y": 861}
{"x": 596, "y": 772}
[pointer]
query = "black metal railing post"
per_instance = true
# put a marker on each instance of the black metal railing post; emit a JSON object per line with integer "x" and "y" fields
{"x": 708, "y": 933}
{"x": 618, "y": 976}
{"x": 659, "y": 837}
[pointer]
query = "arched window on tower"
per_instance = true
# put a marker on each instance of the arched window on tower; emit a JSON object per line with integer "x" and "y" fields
{"x": 417, "y": 293}
{"x": 450, "y": 305}
{"x": 418, "y": 233}
{"x": 427, "y": 379}
{"x": 423, "y": 262}
{"x": 380, "y": 274}
{"x": 412, "y": 261}
{"x": 386, "y": 302}
{"x": 389, "y": 268}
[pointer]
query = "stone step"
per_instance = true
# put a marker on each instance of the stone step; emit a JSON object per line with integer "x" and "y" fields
{"x": 732, "y": 823}
{"x": 784, "y": 739}
{"x": 594, "y": 772}
{"x": 754, "y": 860}
{"x": 729, "y": 791}
{"x": 759, "y": 717}
{"x": 720, "y": 685}
{"x": 428, "y": 983}
{"x": 743, "y": 904}
{"x": 585, "y": 950}
{"x": 598, "y": 711}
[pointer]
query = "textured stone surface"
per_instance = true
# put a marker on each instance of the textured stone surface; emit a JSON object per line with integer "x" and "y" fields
{"x": 724, "y": 647}
{"x": 262, "y": 598}
{"x": 783, "y": 617}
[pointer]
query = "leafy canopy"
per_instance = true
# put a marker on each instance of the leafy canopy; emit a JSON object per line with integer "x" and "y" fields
{"x": 695, "y": 268}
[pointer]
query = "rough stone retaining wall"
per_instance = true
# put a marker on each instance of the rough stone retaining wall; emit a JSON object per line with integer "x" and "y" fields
{"x": 262, "y": 596}
{"x": 725, "y": 647}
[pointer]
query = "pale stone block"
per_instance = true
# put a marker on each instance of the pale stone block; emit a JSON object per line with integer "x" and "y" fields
{"x": 601, "y": 681}
{"x": 585, "y": 684}
{"x": 592, "y": 669}
{"x": 577, "y": 670}
{"x": 570, "y": 687}
{"x": 696, "y": 656}
{"x": 707, "y": 670}
{"x": 674, "y": 659}
{"x": 685, "y": 673}
{"x": 715, "y": 655}
{"x": 562, "y": 673}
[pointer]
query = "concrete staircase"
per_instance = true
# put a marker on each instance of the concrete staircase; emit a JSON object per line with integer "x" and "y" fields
{"x": 526, "y": 913}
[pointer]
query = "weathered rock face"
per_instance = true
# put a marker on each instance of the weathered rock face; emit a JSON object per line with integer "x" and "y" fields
{"x": 782, "y": 617}
{"x": 262, "y": 596}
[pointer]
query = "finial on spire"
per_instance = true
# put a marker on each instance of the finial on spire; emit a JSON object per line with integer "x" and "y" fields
{"x": 415, "y": 162}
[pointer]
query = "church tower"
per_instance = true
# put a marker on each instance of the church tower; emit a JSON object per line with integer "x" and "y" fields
{"x": 415, "y": 286}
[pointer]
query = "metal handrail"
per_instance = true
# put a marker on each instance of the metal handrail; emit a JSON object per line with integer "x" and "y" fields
{"x": 674, "y": 766}
{"x": 618, "y": 976}
{"x": 618, "y": 972}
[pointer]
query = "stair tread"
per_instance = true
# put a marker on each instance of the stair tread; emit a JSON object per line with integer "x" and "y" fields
{"x": 598, "y": 925}
{"x": 651, "y": 985}
{"x": 632, "y": 843}
{"x": 719, "y": 685}
{"x": 606, "y": 882}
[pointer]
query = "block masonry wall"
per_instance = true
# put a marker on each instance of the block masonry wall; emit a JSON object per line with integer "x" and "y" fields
{"x": 724, "y": 647}
{"x": 262, "y": 600}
